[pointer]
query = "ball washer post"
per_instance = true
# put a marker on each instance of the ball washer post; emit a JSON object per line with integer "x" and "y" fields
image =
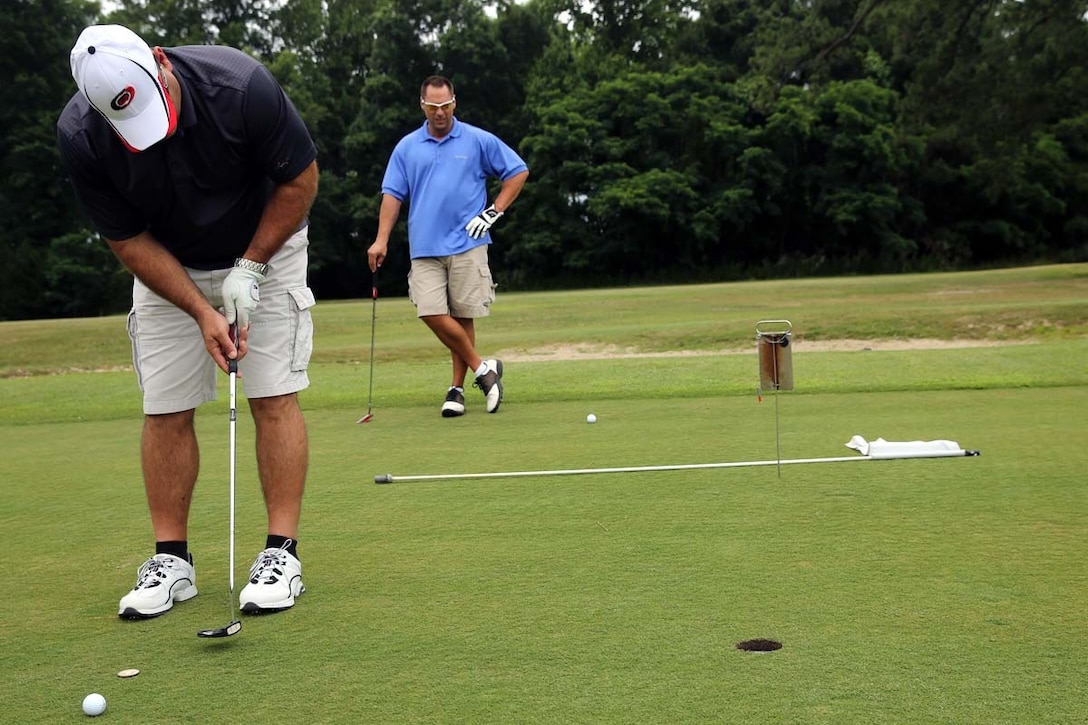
{"x": 775, "y": 367}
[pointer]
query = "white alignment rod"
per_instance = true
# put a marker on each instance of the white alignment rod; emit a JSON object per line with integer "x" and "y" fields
{"x": 390, "y": 478}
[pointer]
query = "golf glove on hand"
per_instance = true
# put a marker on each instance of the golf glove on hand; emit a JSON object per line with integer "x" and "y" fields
{"x": 241, "y": 293}
{"x": 483, "y": 221}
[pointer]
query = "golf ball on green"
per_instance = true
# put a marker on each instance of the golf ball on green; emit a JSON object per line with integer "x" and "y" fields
{"x": 94, "y": 704}
{"x": 591, "y": 418}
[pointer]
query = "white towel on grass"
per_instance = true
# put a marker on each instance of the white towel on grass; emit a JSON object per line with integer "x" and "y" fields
{"x": 881, "y": 448}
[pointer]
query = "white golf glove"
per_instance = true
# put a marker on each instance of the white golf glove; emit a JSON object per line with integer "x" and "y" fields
{"x": 241, "y": 293}
{"x": 479, "y": 224}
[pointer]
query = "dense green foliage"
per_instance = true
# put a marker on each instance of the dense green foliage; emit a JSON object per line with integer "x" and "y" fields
{"x": 668, "y": 140}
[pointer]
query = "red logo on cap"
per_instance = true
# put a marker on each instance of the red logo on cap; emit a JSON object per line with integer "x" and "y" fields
{"x": 123, "y": 99}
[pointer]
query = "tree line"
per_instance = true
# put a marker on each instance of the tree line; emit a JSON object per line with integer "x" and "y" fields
{"x": 668, "y": 140}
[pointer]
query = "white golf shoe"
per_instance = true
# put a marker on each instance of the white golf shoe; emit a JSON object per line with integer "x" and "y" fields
{"x": 491, "y": 384}
{"x": 454, "y": 405}
{"x": 275, "y": 579}
{"x": 161, "y": 580}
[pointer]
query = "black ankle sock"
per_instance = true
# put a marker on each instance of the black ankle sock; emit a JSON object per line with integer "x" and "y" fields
{"x": 180, "y": 549}
{"x": 282, "y": 542}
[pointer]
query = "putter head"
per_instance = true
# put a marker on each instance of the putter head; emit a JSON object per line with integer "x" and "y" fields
{"x": 233, "y": 628}
{"x": 365, "y": 419}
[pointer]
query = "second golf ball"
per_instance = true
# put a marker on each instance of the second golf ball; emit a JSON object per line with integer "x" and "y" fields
{"x": 94, "y": 704}
{"x": 591, "y": 418}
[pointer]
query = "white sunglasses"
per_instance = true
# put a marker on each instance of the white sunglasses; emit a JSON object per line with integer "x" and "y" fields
{"x": 438, "y": 106}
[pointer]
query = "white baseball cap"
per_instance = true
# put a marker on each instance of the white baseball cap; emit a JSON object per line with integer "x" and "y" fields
{"x": 116, "y": 71}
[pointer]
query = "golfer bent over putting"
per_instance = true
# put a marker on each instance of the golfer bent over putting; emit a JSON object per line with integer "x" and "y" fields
{"x": 198, "y": 171}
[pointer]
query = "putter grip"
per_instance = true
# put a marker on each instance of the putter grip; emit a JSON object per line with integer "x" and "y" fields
{"x": 384, "y": 478}
{"x": 232, "y": 365}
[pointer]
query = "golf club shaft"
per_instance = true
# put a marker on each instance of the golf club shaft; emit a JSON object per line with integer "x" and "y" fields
{"x": 233, "y": 367}
{"x": 389, "y": 478}
{"x": 373, "y": 326}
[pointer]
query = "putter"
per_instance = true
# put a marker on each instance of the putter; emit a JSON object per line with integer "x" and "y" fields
{"x": 235, "y": 625}
{"x": 373, "y": 319}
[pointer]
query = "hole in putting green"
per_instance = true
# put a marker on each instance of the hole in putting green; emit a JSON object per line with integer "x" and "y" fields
{"x": 759, "y": 645}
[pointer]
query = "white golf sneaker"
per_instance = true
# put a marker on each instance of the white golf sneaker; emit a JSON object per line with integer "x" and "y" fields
{"x": 491, "y": 384}
{"x": 161, "y": 580}
{"x": 275, "y": 579}
{"x": 454, "y": 405}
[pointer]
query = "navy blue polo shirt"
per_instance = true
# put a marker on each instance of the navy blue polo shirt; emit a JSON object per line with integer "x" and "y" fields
{"x": 202, "y": 191}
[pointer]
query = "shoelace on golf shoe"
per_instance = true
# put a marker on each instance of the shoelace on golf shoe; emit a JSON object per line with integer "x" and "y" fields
{"x": 482, "y": 381}
{"x": 274, "y": 559}
{"x": 149, "y": 569}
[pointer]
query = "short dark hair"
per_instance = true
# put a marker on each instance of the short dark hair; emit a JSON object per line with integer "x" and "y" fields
{"x": 435, "y": 82}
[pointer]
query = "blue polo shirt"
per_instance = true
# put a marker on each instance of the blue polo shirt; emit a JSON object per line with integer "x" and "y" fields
{"x": 445, "y": 181}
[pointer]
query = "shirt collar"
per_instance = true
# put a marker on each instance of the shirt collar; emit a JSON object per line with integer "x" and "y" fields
{"x": 187, "y": 111}
{"x": 426, "y": 136}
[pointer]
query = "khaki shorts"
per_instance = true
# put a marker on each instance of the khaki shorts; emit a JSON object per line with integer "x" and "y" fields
{"x": 460, "y": 285}
{"x": 174, "y": 369}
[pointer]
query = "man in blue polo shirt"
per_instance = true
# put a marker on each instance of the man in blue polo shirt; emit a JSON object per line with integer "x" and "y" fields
{"x": 199, "y": 173}
{"x": 442, "y": 169}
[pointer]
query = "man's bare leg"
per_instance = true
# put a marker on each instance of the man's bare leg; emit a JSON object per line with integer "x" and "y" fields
{"x": 282, "y": 460}
{"x": 171, "y": 460}
{"x": 458, "y": 338}
{"x": 460, "y": 367}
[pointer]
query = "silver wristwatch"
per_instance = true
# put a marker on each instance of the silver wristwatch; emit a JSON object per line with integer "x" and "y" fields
{"x": 258, "y": 267}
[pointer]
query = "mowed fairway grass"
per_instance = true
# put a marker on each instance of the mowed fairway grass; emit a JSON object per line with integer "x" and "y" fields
{"x": 911, "y": 591}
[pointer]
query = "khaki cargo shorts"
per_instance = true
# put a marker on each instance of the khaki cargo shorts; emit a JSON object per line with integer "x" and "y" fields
{"x": 174, "y": 369}
{"x": 459, "y": 285}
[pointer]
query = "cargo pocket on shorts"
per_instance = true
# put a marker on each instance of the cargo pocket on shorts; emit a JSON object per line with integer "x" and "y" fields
{"x": 134, "y": 338}
{"x": 302, "y": 327}
{"x": 489, "y": 286}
